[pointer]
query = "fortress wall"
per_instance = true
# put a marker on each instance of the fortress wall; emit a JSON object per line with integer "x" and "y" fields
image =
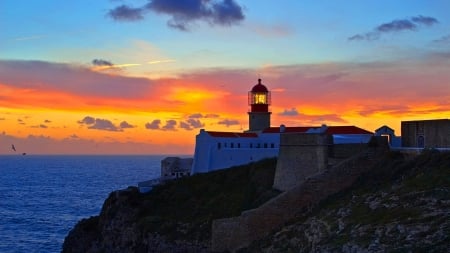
{"x": 346, "y": 150}
{"x": 435, "y": 133}
{"x": 300, "y": 156}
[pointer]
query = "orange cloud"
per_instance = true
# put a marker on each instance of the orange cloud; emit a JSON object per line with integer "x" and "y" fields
{"x": 364, "y": 94}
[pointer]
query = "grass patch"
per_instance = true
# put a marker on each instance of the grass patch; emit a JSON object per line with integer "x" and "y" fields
{"x": 185, "y": 208}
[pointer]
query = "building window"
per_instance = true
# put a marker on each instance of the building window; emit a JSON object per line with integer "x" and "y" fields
{"x": 265, "y": 145}
{"x": 225, "y": 144}
{"x": 272, "y": 145}
{"x": 219, "y": 145}
{"x": 232, "y": 145}
{"x": 258, "y": 146}
{"x": 239, "y": 145}
{"x": 251, "y": 145}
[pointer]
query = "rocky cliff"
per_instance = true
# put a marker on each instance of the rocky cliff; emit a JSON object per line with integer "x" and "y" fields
{"x": 174, "y": 217}
{"x": 402, "y": 205}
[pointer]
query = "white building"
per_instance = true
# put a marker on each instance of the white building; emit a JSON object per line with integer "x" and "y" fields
{"x": 219, "y": 150}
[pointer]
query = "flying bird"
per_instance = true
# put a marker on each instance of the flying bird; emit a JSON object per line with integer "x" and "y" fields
{"x": 13, "y": 148}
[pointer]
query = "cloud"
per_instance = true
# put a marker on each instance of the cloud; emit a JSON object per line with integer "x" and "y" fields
{"x": 425, "y": 20}
{"x": 228, "y": 122}
{"x": 39, "y": 126}
{"x": 87, "y": 120}
{"x": 185, "y": 126}
{"x": 397, "y": 25}
{"x": 199, "y": 116}
{"x": 125, "y": 124}
{"x": 183, "y": 13}
{"x": 170, "y": 125}
{"x": 195, "y": 123}
{"x": 153, "y": 125}
{"x": 100, "y": 62}
{"x": 104, "y": 124}
{"x": 444, "y": 39}
{"x": 47, "y": 121}
{"x": 291, "y": 112}
{"x": 126, "y": 13}
{"x": 74, "y": 136}
{"x": 70, "y": 78}
{"x": 101, "y": 124}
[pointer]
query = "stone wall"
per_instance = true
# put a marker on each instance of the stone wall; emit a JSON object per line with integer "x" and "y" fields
{"x": 426, "y": 133}
{"x": 231, "y": 234}
{"x": 300, "y": 156}
{"x": 346, "y": 150}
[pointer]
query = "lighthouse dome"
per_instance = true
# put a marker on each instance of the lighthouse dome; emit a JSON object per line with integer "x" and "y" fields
{"x": 259, "y": 87}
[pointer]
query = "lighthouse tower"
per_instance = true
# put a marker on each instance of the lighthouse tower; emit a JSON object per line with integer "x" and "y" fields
{"x": 259, "y": 101}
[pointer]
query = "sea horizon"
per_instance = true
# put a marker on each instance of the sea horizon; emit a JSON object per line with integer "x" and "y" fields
{"x": 42, "y": 197}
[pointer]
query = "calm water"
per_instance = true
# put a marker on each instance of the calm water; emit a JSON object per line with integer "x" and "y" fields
{"x": 42, "y": 197}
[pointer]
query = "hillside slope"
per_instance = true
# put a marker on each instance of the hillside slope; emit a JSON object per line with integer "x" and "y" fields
{"x": 402, "y": 205}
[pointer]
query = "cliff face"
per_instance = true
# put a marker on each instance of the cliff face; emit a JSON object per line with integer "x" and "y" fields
{"x": 400, "y": 205}
{"x": 118, "y": 228}
{"x": 175, "y": 217}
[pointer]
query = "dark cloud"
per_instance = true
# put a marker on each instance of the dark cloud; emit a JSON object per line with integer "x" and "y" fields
{"x": 228, "y": 122}
{"x": 154, "y": 125}
{"x": 183, "y": 12}
{"x": 100, "y": 62}
{"x": 39, "y": 126}
{"x": 170, "y": 125}
{"x": 196, "y": 116}
{"x": 2, "y": 118}
{"x": 125, "y": 124}
{"x": 291, "y": 112}
{"x": 428, "y": 21}
{"x": 199, "y": 116}
{"x": 443, "y": 39}
{"x": 126, "y": 13}
{"x": 398, "y": 25}
{"x": 47, "y": 121}
{"x": 185, "y": 126}
{"x": 103, "y": 124}
{"x": 195, "y": 123}
{"x": 87, "y": 120}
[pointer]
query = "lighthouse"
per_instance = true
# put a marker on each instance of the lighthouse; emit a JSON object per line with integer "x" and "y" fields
{"x": 259, "y": 101}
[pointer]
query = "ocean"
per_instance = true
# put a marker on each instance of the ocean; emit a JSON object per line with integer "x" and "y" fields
{"x": 43, "y": 197}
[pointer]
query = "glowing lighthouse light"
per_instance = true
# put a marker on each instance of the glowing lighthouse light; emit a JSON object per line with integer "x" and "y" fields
{"x": 259, "y": 101}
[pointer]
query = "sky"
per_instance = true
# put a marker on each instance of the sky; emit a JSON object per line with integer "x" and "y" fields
{"x": 144, "y": 76}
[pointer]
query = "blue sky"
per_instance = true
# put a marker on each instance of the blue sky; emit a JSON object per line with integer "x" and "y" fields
{"x": 272, "y": 32}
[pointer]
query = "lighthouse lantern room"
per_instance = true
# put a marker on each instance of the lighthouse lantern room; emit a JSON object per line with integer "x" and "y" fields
{"x": 259, "y": 101}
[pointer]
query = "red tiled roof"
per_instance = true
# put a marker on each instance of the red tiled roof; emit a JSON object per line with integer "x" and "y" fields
{"x": 231, "y": 134}
{"x": 330, "y": 130}
{"x": 247, "y": 134}
{"x": 287, "y": 130}
{"x": 346, "y": 130}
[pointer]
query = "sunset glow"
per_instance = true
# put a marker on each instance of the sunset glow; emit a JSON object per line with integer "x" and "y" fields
{"x": 94, "y": 83}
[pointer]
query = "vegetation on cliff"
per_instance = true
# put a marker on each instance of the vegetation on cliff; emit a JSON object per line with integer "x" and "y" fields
{"x": 401, "y": 205}
{"x": 177, "y": 214}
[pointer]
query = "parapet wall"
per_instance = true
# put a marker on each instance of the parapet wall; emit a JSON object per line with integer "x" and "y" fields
{"x": 300, "y": 156}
